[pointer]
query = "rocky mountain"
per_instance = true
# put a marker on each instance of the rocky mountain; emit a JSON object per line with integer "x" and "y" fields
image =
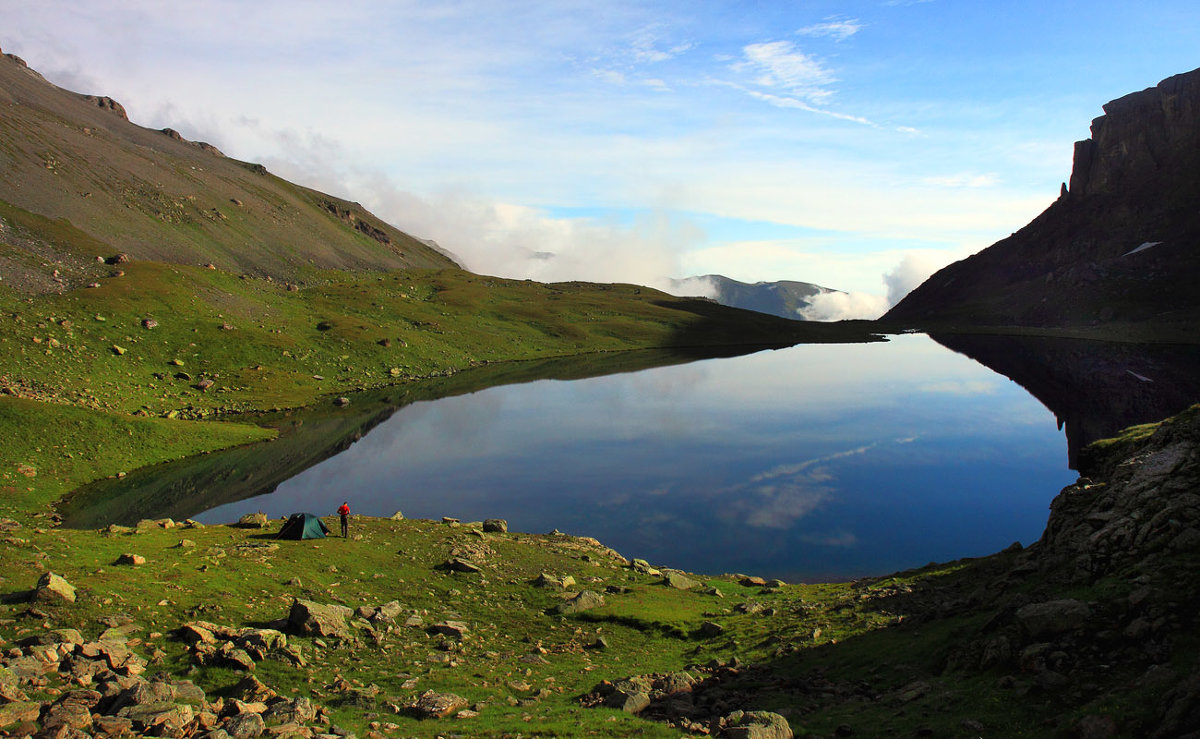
{"x": 1117, "y": 250}
{"x": 78, "y": 181}
{"x": 785, "y": 298}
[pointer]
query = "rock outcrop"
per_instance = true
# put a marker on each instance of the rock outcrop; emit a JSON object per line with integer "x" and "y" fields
{"x": 1118, "y": 247}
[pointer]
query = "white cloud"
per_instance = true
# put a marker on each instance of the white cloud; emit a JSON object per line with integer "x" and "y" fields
{"x": 838, "y": 30}
{"x": 778, "y": 65}
{"x": 840, "y": 306}
{"x": 912, "y": 270}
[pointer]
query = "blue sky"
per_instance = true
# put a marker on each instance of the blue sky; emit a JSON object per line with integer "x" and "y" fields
{"x": 858, "y": 145}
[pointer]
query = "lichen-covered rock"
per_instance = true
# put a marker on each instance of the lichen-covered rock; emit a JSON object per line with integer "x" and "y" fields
{"x": 257, "y": 520}
{"x": 431, "y": 704}
{"x": 585, "y": 600}
{"x": 52, "y": 588}
{"x": 316, "y": 619}
{"x": 755, "y": 725}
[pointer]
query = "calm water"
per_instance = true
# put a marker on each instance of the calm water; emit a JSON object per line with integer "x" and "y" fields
{"x": 817, "y": 461}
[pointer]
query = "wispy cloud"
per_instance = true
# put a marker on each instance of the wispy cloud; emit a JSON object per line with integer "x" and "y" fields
{"x": 837, "y": 29}
{"x": 648, "y": 47}
{"x": 779, "y": 497}
{"x": 779, "y": 65}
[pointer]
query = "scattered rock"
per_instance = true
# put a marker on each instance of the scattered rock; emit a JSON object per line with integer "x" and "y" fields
{"x": 130, "y": 559}
{"x": 495, "y": 525}
{"x": 584, "y": 601}
{"x": 316, "y": 619}
{"x": 710, "y": 629}
{"x": 456, "y": 629}
{"x": 545, "y": 580}
{"x": 458, "y": 564}
{"x": 436, "y": 705}
{"x": 53, "y": 588}
{"x": 679, "y": 581}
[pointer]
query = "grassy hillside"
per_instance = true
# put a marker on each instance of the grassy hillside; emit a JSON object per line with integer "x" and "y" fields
{"x": 79, "y": 181}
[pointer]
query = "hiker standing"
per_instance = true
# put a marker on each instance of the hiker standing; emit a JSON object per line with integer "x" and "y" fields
{"x": 344, "y": 511}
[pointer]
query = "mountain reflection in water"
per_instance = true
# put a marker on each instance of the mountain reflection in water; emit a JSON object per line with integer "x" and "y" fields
{"x": 812, "y": 462}
{"x": 1094, "y": 388}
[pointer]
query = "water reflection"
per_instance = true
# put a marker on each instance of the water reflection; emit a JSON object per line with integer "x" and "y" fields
{"x": 1094, "y": 388}
{"x": 809, "y": 462}
{"x": 812, "y": 462}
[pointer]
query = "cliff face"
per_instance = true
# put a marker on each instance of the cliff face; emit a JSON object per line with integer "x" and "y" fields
{"x": 1119, "y": 246}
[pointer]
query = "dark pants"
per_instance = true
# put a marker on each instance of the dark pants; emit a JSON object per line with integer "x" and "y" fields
{"x": 345, "y": 525}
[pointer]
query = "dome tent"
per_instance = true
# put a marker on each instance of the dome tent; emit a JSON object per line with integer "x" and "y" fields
{"x": 303, "y": 526}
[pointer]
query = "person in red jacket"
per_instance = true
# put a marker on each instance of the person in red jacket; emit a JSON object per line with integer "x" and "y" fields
{"x": 344, "y": 511}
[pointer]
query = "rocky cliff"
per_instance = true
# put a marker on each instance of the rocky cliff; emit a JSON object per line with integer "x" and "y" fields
{"x": 1119, "y": 246}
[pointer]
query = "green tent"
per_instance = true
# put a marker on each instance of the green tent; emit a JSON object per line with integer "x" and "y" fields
{"x": 303, "y": 526}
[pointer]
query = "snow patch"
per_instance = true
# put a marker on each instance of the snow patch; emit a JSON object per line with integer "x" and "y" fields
{"x": 1143, "y": 247}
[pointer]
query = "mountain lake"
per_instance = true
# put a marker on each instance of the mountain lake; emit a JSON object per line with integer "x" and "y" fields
{"x": 811, "y": 462}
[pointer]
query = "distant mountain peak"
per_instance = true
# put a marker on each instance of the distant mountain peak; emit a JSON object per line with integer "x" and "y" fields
{"x": 785, "y": 298}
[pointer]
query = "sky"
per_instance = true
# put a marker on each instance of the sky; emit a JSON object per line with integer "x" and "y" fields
{"x": 859, "y": 145}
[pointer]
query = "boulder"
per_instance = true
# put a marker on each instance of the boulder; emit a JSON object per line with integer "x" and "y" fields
{"x": 629, "y": 701}
{"x": 496, "y": 525}
{"x": 455, "y": 629}
{"x": 710, "y": 629}
{"x": 642, "y": 566}
{"x": 130, "y": 559}
{"x": 244, "y": 726}
{"x": 755, "y": 725}
{"x": 53, "y": 588}
{"x": 436, "y": 705}
{"x": 18, "y": 712}
{"x": 253, "y": 521}
{"x": 545, "y": 580}
{"x": 388, "y": 612}
{"x": 1053, "y": 617}
{"x": 585, "y": 600}
{"x": 458, "y": 564}
{"x": 679, "y": 581}
{"x": 315, "y": 619}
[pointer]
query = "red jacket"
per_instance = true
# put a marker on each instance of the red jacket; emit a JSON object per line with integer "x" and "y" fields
{"x": 343, "y": 510}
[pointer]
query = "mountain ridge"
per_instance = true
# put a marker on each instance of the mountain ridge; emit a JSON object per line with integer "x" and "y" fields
{"x": 1116, "y": 249}
{"x": 80, "y": 181}
{"x": 783, "y": 298}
